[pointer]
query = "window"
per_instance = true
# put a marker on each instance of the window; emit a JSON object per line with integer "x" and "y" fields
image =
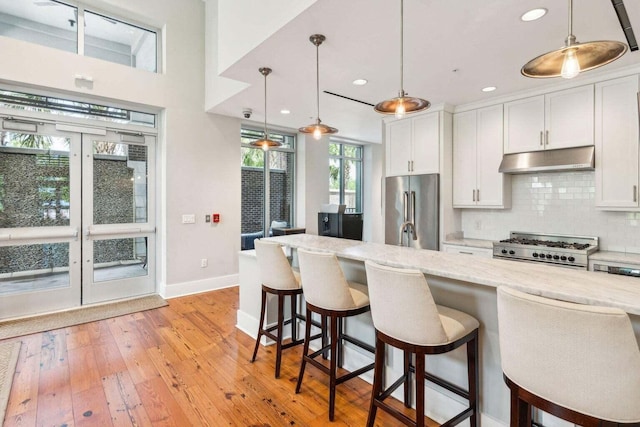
{"x": 54, "y": 24}
{"x": 280, "y": 168}
{"x": 345, "y": 175}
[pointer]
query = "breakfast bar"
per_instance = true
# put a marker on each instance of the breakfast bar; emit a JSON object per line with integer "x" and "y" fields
{"x": 461, "y": 282}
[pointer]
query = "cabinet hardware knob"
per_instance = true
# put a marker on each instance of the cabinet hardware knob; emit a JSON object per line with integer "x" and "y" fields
{"x": 635, "y": 193}
{"x": 477, "y": 195}
{"x": 541, "y": 143}
{"x": 546, "y": 138}
{"x": 408, "y": 165}
{"x": 474, "y": 195}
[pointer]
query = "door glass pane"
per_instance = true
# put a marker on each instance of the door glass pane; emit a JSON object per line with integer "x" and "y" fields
{"x": 44, "y": 22}
{"x": 281, "y": 188}
{"x": 34, "y": 180}
{"x": 28, "y": 268}
{"x": 334, "y": 181}
{"x": 252, "y": 196}
{"x": 119, "y": 183}
{"x": 116, "y": 259}
{"x": 352, "y": 174}
{"x": 115, "y": 41}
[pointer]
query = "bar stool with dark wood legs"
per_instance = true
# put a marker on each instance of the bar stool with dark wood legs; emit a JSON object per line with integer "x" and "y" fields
{"x": 406, "y": 317}
{"x": 578, "y": 362}
{"x": 280, "y": 280}
{"x": 329, "y": 294}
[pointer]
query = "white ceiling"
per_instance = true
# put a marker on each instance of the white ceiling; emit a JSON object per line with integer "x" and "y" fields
{"x": 452, "y": 49}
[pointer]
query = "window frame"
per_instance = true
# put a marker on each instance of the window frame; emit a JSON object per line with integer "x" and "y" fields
{"x": 341, "y": 158}
{"x": 266, "y": 167}
{"x": 80, "y": 31}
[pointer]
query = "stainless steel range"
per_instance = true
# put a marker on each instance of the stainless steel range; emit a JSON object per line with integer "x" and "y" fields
{"x": 566, "y": 251}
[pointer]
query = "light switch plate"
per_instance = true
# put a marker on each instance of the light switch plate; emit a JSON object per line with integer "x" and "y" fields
{"x": 188, "y": 219}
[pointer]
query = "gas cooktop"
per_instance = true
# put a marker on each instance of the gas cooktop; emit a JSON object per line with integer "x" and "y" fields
{"x": 562, "y": 250}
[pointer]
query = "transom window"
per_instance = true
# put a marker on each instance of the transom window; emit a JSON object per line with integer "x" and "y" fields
{"x": 86, "y": 32}
{"x": 345, "y": 175}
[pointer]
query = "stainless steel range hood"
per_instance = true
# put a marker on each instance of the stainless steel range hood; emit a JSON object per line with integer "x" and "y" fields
{"x": 563, "y": 159}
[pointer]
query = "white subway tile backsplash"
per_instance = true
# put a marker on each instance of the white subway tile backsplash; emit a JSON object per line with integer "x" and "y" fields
{"x": 561, "y": 203}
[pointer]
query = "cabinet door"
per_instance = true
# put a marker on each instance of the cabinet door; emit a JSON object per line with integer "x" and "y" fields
{"x": 426, "y": 144}
{"x": 524, "y": 125}
{"x": 569, "y": 118}
{"x": 398, "y": 147}
{"x": 464, "y": 159}
{"x": 616, "y": 138}
{"x": 490, "y": 182}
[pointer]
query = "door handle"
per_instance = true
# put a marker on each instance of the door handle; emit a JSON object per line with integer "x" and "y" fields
{"x": 408, "y": 165}
{"x": 405, "y": 206}
{"x": 635, "y": 193}
{"x": 541, "y": 139}
{"x": 474, "y": 195}
{"x": 477, "y": 195}
{"x": 413, "y": 208}
{"x": 546, "y": 138}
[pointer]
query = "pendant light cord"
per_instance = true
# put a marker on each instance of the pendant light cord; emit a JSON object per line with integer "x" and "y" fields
{"x": 266, "y": 135}
{"x": 318, "y": 82}
{"x": 570, "y": 17}
{"x": 401, "y": 48}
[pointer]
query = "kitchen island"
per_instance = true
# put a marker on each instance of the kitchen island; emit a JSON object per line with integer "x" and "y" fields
{"x": 458, "y": 281}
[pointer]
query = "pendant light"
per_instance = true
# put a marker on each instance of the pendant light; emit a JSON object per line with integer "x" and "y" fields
{"x": 574, "y": 57}
{"x": 265, "y": 143}
{"x": 317, "y": 129}
{"x": 403, "y": 104}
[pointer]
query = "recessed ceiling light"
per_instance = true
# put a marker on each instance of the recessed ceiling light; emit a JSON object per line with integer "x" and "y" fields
{"x": 360, "y": 82}
{"x": 489, "y": 89}
{"x": 533, "y": 14}
{"x": 285, "y": 111}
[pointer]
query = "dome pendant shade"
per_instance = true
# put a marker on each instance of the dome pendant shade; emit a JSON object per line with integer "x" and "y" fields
{"x": 574, "y": 57}
{"x": 409, "y": 103}
{"x": 317, "y": 129}
{"x": 589, "y": 55}
{"x": 403, "y": 104}
{"x": 265, "y": 143}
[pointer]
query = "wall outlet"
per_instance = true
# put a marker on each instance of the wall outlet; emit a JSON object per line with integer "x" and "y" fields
{"x": 207, "y": 218}
{"x": 204, "y": 262}
{"x": 188, "y": 219}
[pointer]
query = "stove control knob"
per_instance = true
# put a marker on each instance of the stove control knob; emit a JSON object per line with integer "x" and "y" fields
{"x": 556, "y": 257}
{"x": 512, "y": 252}
{"x": 563, "y": 258}
{"x": 535, "y": 254}
{"x": 504, "y": 251}
{"x": 549, "y": 256}
{"x": 571, "y": 259}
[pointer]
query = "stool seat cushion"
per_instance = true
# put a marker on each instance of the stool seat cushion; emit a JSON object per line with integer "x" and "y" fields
{"x": 359, "y": 293}
{"x": 456, "y": 324}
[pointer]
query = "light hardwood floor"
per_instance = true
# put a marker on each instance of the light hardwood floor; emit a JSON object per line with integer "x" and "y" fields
{"x": 181, "y": 365}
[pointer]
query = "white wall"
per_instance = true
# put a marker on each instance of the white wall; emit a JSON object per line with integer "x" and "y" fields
{"x": 199, "y": 152}
{"x": 312, "y": 174}
{"x": 558, "y": 202}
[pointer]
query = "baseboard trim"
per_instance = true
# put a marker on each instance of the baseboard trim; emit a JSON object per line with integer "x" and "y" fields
{"x": 198, "y": 286}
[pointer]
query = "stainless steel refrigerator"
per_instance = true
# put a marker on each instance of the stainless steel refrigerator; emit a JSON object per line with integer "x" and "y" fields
{"x": 412, "y": 211}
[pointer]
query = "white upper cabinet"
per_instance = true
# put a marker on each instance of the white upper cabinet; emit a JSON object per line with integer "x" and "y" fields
{"x": 477, "y": 153}
{"x": 556, "y": 120}
{"x": 413, "y": 145}
{"x": 616, "y": 139}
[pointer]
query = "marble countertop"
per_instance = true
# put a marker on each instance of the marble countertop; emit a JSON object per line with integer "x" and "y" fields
{"x": 566, "y": 284}
{"x": 472, "y": 243}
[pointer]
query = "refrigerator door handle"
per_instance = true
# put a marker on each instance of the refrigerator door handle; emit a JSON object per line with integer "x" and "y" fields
{"x": 405, "y": 201}
{"x": 413, "y": 208}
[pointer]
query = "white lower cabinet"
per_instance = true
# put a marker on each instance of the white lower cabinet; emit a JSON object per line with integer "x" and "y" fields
{"x": 477, "y": 153}
{"x": 616, "y": 139}
{"x": 467, "y": 250}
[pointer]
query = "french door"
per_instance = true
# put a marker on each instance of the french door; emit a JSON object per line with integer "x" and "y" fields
{"x": 77, "y": 224}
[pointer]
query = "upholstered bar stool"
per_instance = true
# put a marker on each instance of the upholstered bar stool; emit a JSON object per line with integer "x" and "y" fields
{"x": 406, "y": 317}
{"x": 329, "y": 294}
{"x": 578, "y": 362}
{"x": 280, "y": 280}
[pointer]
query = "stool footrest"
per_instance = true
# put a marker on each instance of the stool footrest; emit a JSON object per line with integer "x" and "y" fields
{"x": 363, "y": 345}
